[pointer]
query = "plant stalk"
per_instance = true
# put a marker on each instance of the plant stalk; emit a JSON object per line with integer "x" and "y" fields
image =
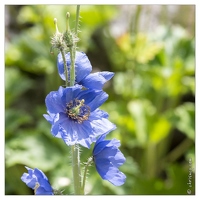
{"x": 76, "y": 169}
{"x": 75, "y": 148}
{"x": 90, "y": 160}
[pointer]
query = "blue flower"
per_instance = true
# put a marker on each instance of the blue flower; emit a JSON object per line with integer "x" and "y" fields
{"x": 75, "y": 117}
{"x": 108, "y": 158}
{"x": 83, "y": 68}
{"x": 38, "y": 181}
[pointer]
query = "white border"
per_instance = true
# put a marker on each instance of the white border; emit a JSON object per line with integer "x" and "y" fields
{"x": 102, "y": 2}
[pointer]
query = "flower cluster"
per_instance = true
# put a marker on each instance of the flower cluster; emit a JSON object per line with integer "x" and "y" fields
{"x": 75, "y": 117}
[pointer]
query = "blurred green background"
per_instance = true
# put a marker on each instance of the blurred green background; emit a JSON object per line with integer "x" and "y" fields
{"x": 151, "y": 49}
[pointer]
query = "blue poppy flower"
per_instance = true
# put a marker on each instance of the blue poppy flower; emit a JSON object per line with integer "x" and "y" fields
{"x": 38, "y": 181}
{"x": 108, "y": 158}
{"x": 83, "y": 68}
{"x": 75, "y": 117}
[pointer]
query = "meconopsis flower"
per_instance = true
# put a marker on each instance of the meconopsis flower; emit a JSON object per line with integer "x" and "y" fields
{"x": 108, "y": 158}
{"x": 38, "y": 181}
{"x": 75, "y": 117}
{"x": 83, "y": 68}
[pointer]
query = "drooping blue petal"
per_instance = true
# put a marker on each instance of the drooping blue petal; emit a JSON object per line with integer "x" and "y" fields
{"x": 42, "y": 191}
{"x": 100, "y": 145}
{"x": 83, "y": 68}
{"x": 29, "y": 179}
{"x": 37, "y": 177}
{"x": 115, "y": 176}
{"x": 43, "y": 180}
{"x": 108, "y": 158}
{"x": 96, "y": 80}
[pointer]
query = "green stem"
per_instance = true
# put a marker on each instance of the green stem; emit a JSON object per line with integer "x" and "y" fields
{"x": 75, "y": 148}
{"x": 76, "y": 169}
{"x": 73, "y": 49}
{"x": 72, "y": 69}
{"x": 90, "y": 160}
{"x": 65, "y": 66}
{"x": 77, "y": 18}
{"x": 151, "y": 159}
{"x": 179, "y": 150}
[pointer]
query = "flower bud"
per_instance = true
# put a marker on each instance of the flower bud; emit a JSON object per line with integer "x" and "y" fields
{"x": 57, "y": 40}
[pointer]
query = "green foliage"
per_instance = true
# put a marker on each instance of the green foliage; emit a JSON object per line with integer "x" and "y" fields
{"x": 151, "y": 100}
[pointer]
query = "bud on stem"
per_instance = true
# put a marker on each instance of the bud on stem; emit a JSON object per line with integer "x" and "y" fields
{"x": 67, "y": 22}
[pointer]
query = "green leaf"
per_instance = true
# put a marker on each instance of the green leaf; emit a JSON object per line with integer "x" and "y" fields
{"x": 34, "y": 150}
{"x": 160, "y": 130}
{"x": 185, "y": 119}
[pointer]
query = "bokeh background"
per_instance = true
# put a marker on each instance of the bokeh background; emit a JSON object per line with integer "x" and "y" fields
{"x": 151, "y": 49}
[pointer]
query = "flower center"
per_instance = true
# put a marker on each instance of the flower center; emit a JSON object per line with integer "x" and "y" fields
{"x": 77, "y": 110}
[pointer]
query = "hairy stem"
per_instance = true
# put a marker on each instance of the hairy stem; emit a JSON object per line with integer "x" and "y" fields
{"x": 72, "y": 69}
{"x": 90, "y": 160}
{"x": 73, "y": 49}
{"x": 75, "y": 148}
{"x": 76, "y": 169}
{"x": 77, "y": 18}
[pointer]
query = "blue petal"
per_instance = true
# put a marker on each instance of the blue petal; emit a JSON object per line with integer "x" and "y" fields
{"x": 54, "y": 102}
{"x": 100, "y": 145}
{"x": 56, "y": 128}
{"x": 107, "y": 75}
{"x": 82, "y": 65}
{"x": 108, "y": 158}
{"x": 112, "y": 153}
{"x": 115, "y": 176}
{"x": 118, "y": 159}
{"x": 70, "y": 93}
{"x": 37, "y": 176}
{"x": 93, "y": 98}
{"x": 109, "y": 172}
{"x": 42, "y": 191}
{"x": 114, "y": 143}
{"x": 101, "y": 113}
{"x": 30, "y": 181}
{"x": 77, "y": 133}
{"x": 42, "y": 180}
{"x": 86, "y": 132}
{"x": 96, "y": 80}
{"x": 60, "y": 65}
{"x": 101, "y": 125}
{"x": 48, "y": 118}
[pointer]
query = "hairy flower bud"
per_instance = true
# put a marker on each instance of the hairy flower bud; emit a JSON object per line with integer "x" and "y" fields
{"x": 57, "y": 40}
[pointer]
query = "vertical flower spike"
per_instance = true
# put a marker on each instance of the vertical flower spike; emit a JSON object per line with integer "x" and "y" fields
{"x": 108, "y": 158}
{"x": 38, "y": 181}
